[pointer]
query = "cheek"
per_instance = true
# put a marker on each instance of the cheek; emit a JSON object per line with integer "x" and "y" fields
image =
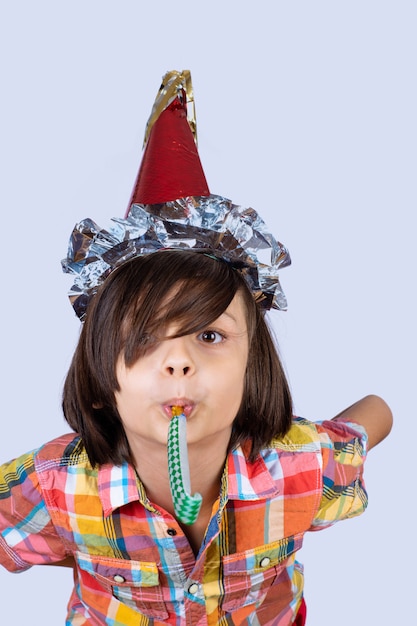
{"x": 233, "y": 383}
{"x": 122, "y": 404}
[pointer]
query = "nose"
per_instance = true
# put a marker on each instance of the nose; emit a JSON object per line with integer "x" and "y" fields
{"x": 178, "y": 361}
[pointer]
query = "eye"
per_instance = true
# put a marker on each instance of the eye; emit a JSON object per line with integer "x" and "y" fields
{"x": 211, "y": 336}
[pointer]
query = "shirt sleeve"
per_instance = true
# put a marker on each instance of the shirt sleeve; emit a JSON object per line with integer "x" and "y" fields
{"x": 343, "y": 449}
{"x": 27, "y": 535}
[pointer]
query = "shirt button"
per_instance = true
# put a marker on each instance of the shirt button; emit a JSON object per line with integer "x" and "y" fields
{"x": 119, "y": 579}
{"x": 171, "y": 532}
{"x": 265, "y": 561}
{"x": 193, "y": 588}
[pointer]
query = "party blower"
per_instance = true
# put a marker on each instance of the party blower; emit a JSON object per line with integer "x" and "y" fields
{"x": 186, "y": 506}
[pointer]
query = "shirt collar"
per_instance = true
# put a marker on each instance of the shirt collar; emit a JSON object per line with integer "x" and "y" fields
{"x": 248, "y": 481}
{"x": 119, "y": 484}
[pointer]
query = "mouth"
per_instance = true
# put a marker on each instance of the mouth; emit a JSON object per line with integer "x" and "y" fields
{"x": 178, "y": 406}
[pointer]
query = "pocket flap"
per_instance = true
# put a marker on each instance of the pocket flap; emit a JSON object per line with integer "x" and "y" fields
{"x": 263, "y": 557}
{"x": 120, "y": 572}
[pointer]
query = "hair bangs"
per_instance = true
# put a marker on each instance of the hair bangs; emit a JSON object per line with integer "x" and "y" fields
{"x": 186, "y": 291}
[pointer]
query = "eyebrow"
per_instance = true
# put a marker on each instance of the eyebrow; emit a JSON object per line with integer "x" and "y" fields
{"x": 232, "y": 317}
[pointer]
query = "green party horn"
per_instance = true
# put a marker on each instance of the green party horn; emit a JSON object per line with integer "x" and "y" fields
{"x": 186, "y": 506}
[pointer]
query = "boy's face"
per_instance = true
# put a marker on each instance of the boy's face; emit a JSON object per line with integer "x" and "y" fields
{"x": 203, "y": 372}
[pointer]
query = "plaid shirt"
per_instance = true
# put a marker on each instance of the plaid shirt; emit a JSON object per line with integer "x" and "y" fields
{"x": 134, "y": 564}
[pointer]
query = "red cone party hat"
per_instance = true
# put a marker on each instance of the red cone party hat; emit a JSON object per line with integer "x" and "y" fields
{"x": 171, "y": 207}
{"x": 170, "y": 166}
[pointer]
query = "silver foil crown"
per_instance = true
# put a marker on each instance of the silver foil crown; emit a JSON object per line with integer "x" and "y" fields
{"x": 210, "y": 224}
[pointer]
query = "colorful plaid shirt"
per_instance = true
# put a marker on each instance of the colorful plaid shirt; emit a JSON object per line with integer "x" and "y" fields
{"x": 134, "y": 564}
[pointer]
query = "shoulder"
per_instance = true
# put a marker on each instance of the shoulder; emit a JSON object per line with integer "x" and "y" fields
{"x": 302, "y": 436}
{"x": 342, "y": 442}
{"x": 28, "y": 477}
{"x": 63, "y": 469}
{"x": 61, "y": 453}
{"x": 306, "y": 435}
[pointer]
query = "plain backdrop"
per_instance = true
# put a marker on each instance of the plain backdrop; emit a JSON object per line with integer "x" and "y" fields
{"x": 307, "y": 112}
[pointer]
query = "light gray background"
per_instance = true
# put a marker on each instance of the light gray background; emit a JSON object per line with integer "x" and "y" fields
{"x": 307, "y": 112}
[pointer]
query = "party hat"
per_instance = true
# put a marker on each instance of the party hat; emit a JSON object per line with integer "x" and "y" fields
{"x": 171, "y": 207}
{"x": 171, "y": 167}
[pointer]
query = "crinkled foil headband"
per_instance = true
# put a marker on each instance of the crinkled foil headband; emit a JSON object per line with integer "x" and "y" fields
{"x": 210, "y": 223}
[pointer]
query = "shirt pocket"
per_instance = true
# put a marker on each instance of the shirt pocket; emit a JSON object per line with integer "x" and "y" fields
{"x": 134, "y": 583}
{"x": 248, "y": 576}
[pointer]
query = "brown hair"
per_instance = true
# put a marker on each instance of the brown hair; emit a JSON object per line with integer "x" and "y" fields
{"x": 129, "y": 309}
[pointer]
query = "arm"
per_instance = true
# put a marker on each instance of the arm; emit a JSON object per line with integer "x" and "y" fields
{"x": 373, "y": 414}
{"x": 27, "y": 534}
